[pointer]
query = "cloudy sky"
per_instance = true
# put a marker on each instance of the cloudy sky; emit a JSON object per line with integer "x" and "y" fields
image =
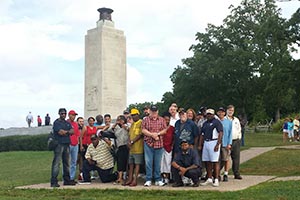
{"x": 42, "y": 49}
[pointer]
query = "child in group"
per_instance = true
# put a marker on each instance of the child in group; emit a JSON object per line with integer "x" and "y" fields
{"x": 285, "y": 129}
{"x": 168, "y": 146}
{"x": 290, "y": 127}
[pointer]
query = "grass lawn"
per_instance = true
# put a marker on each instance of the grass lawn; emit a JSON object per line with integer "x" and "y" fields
{"x": 278, "y": 162}
{"x": 265, "y": 140}
{"x": 24, "y": 168}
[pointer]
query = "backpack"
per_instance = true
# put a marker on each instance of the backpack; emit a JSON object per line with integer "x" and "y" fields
{"x": 52, "y": 142}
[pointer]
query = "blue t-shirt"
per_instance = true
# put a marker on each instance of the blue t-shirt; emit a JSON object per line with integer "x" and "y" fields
{"x": 211, "y": 129}
{"x": 185, "y": 131}
{"x": 227, "y": 132}
{"x": 64, "y": 125}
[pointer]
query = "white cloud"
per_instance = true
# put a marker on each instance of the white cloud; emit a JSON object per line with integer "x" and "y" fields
{"x": 42, "y": 49}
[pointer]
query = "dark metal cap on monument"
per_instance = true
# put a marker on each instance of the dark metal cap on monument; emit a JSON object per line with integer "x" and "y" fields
{"x": 105, "y": 13}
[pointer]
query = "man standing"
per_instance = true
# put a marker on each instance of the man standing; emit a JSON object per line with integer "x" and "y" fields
{"x": 136, "y": 148}
{"x": 186, "y": 163}
{"x": 153, "y": 127}
{"x": 29, "y": 119}
{"x": 99, "y": 158}
{"x": 185, "y": 129}
{"x": 210, "y": 141}
{"x": 39, "y": 120}
{"x": 62, "y": 131}
{"x": 74, "y": 143}
{"x": 226, "y": 142}
{"x": 236, "y": 141}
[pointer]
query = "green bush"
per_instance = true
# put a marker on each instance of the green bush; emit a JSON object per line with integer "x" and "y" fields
{"x": 278, "y": 125}
{"x": 24, "y": 143}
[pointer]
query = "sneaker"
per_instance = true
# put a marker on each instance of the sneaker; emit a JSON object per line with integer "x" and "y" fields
{"x": 84, "y": 182}
{"x": 207, "y": 182}
{"x": 159, "y": 183}
{"x": 69, "y": 183}
{"x": 80, "y": 177}
{"x": 216, "y": 183}
{"x": 166, "y": 181}
{"x": 55, "y": 185}
{"x": 195, "y": 184}
{"x": 225, "y": 178}
{"x": 147, "y": 184}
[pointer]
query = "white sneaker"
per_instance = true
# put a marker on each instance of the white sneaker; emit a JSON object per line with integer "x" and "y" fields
{"x": 166, "y": 181}
{"x": 216, "y": 183}
{"x": 84, "y": 182}
{"x": 147, "y": 184}
{"x": 159, "y": 183}
{"x": 207, "y": 182}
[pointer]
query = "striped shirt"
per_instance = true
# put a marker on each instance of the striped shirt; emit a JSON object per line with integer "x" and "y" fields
{"x": 101, "y": 154}
{"x": 154, "y": 126}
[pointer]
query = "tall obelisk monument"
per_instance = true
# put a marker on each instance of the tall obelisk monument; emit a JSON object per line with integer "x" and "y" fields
{"x": 105, "y": 68}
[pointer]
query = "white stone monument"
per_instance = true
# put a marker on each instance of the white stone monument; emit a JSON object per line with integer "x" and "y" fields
{"x": 105, "y": 68}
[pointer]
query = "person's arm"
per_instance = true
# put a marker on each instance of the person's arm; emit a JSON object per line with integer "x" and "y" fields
{"x": 201, "y": 141}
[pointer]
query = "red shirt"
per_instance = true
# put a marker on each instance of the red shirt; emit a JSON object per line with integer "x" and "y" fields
{"x": 168, "y": 139}
{"x": 154, "y": 126}
{"x": 75, "y": 136}
{"x": 89, "y": 131}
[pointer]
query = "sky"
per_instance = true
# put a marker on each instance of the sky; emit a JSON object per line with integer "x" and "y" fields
{"x": 42, "y": 49}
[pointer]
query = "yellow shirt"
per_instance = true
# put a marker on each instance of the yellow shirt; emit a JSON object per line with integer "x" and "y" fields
{"x": 135, "y": 130}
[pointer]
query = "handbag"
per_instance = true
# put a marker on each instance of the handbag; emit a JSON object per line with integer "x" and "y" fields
{"x": 52, "y": 142}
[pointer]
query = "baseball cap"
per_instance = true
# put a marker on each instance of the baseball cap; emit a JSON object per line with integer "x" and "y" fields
{"x": 210, "y": 111}
{"x": 183, "y": 141}
{"x": 72, "y": 112}
{"x": 62, "y": 110}
{"x": 153, "y": 108}
{"x": 134, "y": 111}
{"x": 125, "y": 112}
{"x": 181, "y": 110}
{"x": 222, "y": 109}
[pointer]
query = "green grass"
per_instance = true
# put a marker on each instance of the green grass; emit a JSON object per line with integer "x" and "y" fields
{"x": 24, "y": 168}
{"x": 278, "y": 162}
{"x": 264, "y": 140}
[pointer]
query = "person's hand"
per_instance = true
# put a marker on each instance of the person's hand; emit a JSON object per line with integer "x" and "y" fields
{"x": 228, "y": 147}
{"x": 200, "y": 147}
{"x": 92, "y": 162}
{"x": 182, "y": 171}
{"x": 216, "y": 147}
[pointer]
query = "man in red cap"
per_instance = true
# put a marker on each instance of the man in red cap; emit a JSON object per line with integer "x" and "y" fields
{"x": 73, "y": 144}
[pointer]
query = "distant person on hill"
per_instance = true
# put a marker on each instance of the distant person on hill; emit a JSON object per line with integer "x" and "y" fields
{"x": 291, "y": 129}
{"x": 47, "y": 120}
{"x": 285, "y": 129}
{"x": 29, "y": 119}
{"x": 39, "y": 120}
{"x": 296, "y": 127}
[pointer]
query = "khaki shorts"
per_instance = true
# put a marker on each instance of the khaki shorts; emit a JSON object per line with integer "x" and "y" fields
{"x": 136, "y": 159}
{"x": 225, "y": 154}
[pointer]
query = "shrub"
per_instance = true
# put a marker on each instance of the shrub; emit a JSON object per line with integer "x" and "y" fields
{"x": 24, "y": 143}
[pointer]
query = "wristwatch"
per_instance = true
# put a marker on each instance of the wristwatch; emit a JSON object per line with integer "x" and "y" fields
{"x": 131, "y": 141}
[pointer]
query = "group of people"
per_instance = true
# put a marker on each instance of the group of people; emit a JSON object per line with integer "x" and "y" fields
{"x": 291, "y": 129}
{"x": 29, "y": 120}
{"x": 179, "y": 145}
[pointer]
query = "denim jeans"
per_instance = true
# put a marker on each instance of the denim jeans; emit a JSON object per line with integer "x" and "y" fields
{"x": 61, "y": 152}
{"x": 73, "y": 161}
{"x": 153, "y": 159}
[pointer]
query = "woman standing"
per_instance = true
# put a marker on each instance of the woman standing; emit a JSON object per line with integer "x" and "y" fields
{"x": 120, "y": 130}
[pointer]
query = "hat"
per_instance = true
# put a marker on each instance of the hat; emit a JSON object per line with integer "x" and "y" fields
{"x": 181, "y": 110}
{"x": 72, "y": 112}
{"x": 125, "y": 112}
{"x": 199, "y": 112}
{"x": 222, "y": 109}
{"x": 153, "y": 108}
{"x": 210, "y": 111}
{"x": 134, "y": 111}
{"x": 183, "y": 141}
{"x": 62, "y": 110}
{"x": 94, "y": 136}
